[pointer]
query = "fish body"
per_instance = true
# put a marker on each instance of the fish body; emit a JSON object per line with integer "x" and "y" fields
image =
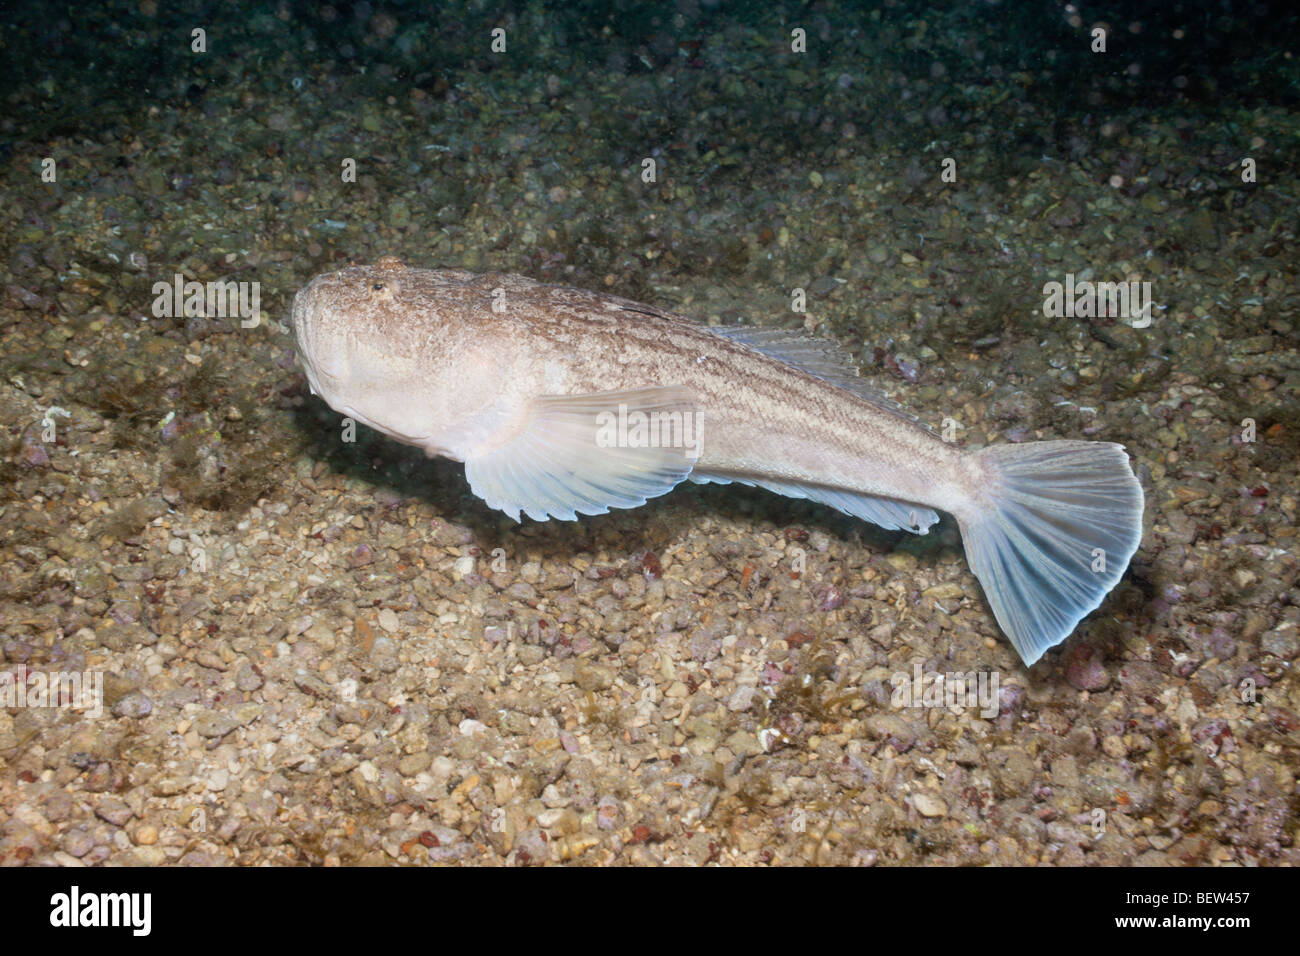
{"x": 564, "y": 402}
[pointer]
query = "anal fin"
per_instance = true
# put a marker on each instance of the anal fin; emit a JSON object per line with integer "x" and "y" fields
{"x": 888, "y": 513}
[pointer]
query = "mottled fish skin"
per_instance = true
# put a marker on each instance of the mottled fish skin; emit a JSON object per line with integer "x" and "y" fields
{"x": 444, "y": 358}
{"x": 454, "y": 361}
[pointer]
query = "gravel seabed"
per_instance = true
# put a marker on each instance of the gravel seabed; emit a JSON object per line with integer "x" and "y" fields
{"x": 325, "y": 652}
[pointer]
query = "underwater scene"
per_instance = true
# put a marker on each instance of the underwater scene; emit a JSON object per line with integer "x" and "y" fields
{"x": 623, "y": 434}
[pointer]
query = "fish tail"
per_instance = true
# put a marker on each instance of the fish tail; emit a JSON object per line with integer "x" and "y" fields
{"x": 1050, "y": 529}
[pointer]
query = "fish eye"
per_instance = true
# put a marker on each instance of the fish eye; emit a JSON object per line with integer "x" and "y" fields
{"x": 378, "y": 287}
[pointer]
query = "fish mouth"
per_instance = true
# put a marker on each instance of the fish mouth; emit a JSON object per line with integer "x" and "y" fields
{"x": 314, "y": 376}
{"x": 351, "y": 412}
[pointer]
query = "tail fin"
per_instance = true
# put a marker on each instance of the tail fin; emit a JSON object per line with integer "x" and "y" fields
{"x": 1052, "y": 529}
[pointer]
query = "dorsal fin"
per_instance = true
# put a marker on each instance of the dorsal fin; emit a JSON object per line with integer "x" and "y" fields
{"x": 819, "y": 357}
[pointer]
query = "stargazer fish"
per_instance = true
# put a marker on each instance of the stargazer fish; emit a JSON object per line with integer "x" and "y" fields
{"x": 562, "y": 402}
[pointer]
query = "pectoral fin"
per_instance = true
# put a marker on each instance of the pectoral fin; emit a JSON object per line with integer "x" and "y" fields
{"x": 585, "y": 454}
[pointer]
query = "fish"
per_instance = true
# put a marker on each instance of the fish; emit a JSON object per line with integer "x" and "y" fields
{"x": 562, "y": 402}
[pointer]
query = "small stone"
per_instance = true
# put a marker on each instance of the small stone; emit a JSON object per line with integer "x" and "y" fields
{"x": 451, "y": 535}
{"x": 384, "y": 654}
{"x": 1013, "y": 770}
{"x": 607, "y": 811}
{"x": 522, "y": 591}
{"x": 901, "y": 560}
{"x": 78, "y": 843}
{"x": 1281, "y": 642}
{"x": 704, "y": 735}
{"x": 151, "y": 856}
{"x": 947, "y": 591}
{"x": 100, "y": 778}
{"x": 146, "y": 836}
{"x": 929, "y": 805}
{"x": 388, "y": 620}
{"x": 114, "y": 811}
{"x": 593, "y": 677}
{"x": 413, "y": 764}
{"x": 743, "y": 744}
{"x": 893, "y": 730}
{"x": 212, "y": 725}
{"x": 742, "y": 698}
{"x": 1084, "y": 669}
{"x": 134, "y": 705}
{"x": 170, "y": 786}
{"x": 248, "y": 679}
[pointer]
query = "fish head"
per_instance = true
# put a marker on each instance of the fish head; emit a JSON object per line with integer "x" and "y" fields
{"x": 362, "y": 351}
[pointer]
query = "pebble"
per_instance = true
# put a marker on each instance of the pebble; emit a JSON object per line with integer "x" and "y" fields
{"x": 78, "y": 842}
{"x": 383, "y": 653}
{"x": 593, "y": 677}
{"x": 742, "y": 699}
{"x": 607, "y": 812}
{"x": 414, "y": 764}
{"x": 1013, "y": 770}
{"x": 893, "y": 729}
{"x": 212, "y": 724}
{"x": 1084, "y": 668}
{"x": 114, "y": 811}
{"x": 929, "y": 805}
{"x": 1281, "y": 642}
{"x": 248, "y": 679}
{"x": 134, "y": 705}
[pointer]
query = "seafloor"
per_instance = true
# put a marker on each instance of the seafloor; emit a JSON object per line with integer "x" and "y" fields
{"x": 325, "y": 652}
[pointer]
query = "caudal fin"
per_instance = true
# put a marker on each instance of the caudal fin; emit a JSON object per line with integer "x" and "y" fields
{"x": 1051, "y": 531}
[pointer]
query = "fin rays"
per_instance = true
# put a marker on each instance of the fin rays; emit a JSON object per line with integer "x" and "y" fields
{"x": 1064, "y": 522}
